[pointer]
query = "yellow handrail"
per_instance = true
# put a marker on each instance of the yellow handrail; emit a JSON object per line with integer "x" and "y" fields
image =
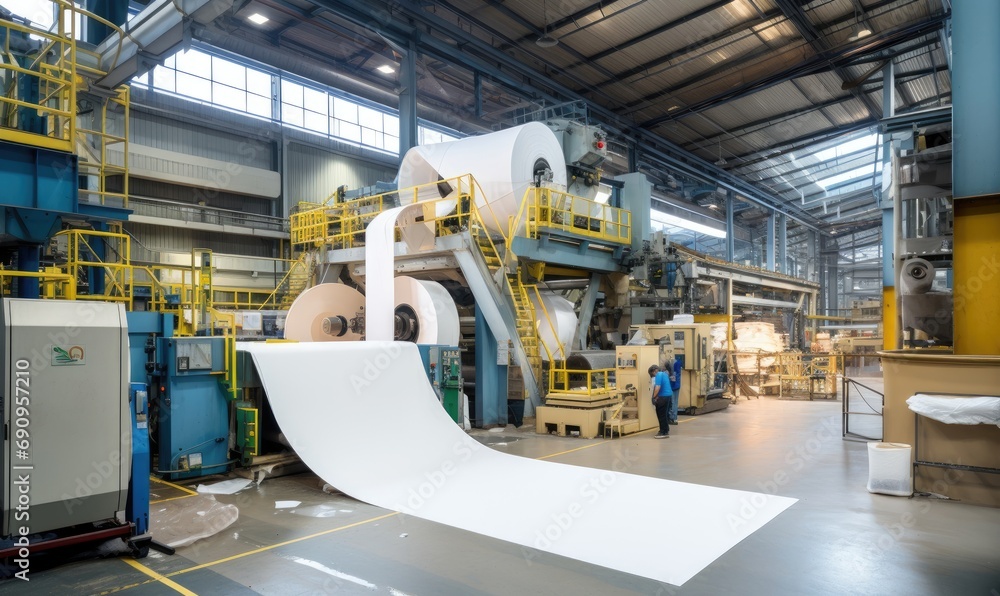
{"x": 595, "y": 381}
{"x": 552, "y": 327}
{"x": 272, "y": 297}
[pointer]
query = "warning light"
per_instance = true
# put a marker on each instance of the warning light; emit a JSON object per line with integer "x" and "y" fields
{"x": 599, "y": 144}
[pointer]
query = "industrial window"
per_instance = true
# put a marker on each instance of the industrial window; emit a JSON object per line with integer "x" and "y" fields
{"x": 214, "y": 80}
{"x": 206, "y": 77}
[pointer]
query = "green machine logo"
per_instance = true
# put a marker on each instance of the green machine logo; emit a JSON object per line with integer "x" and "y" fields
{"x": 68, "y": 355}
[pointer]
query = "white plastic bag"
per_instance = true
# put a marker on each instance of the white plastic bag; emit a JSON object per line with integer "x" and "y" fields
{"x": 954, "y": 409}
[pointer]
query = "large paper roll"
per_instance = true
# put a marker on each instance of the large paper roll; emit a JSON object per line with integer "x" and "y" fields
{"x": 323, "y": 313}
{"x": 561, "y": 323}
{"x": 503, "y": 163}
{"x": 425, "y": 312}
{"x": 917, "y": 277}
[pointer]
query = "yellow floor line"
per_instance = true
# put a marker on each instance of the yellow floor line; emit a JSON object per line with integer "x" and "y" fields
{"x": 280, "y": 544}
{"x": 171, "y": 484}
{"x": 571, "y": 450}
{"x": 171, "y": 499}
{"x": 156, "y": 576}
{"x": 165, "y": 578}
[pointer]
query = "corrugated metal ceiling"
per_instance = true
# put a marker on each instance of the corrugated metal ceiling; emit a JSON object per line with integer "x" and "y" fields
{"x": 701, "y": 73}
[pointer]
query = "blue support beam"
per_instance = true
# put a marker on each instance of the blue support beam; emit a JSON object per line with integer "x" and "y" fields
{"x": 491, "y": 378}
{"x": 408, "y": 100}
{"x": 782, "y": 239}
{"x": 769, "y": 258}
{"x": 976, "y": 80}
{"x": 730, "y": 227}
{"x": 28, "y": 260}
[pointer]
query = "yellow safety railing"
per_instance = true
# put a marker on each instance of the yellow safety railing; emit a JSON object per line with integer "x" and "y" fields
{"x": 53, "y": 284}
{"x": 55, "y": 69}
{"x": 560, "y": 349}
{"x": 98, "y": 151}
{"x": 343, "y": 224}
{"x": 284, "y": 288}
{"x": 116, "y": 268}
{"x": 548, "y": 209}
{"x": 242, "y": 298}
{"x": 582, "y": 382}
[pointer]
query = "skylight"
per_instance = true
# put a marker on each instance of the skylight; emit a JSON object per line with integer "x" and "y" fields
{"x": 826, "y": 183}
{"x": 858, "y": 144}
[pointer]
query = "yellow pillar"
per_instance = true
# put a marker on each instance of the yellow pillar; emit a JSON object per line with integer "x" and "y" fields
{"x": 977, "y": 276}
{"x": 889, "y": 318}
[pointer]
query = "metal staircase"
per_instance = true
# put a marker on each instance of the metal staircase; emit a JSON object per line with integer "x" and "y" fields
{"x": 297, "y": 281}
{"x": 294, "y": 282}
{"x": 509, "y": 282}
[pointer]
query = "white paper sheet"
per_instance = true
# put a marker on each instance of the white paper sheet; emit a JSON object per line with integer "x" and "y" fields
{"x": 608, "y": 518}
{"x": 226, "y": 487}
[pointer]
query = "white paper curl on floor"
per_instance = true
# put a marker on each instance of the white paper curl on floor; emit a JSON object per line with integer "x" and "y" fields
{"x": 616, "y": 520}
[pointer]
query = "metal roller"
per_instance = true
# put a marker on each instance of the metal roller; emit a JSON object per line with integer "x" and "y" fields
{"x": 425, "y": 313}
{"x": 324, "y": 313}
{"x": 591, "y": 360}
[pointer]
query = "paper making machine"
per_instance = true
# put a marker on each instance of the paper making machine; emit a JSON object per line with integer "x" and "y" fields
{"x": 692, "y": 343}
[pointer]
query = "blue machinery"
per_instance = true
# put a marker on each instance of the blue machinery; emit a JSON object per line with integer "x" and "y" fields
{"x": 190, "y": 408}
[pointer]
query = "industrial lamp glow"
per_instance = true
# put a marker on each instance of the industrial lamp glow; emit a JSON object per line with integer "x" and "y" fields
{"x": 257, "y": 18}
{"x": 386, "y": 69}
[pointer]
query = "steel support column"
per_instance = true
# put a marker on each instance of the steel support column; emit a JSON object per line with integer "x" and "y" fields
{"x": 28, "y": 260}
{"x": 976, "y": 94}
{"x": 730, "y": 227}
{"x": 586, "y": 313}
{"x": 888, "y": 222}
{"x": 408, "y": 100}
{"x": 477, "y": 81}
{"x": 491, "y": 378}
{"x": 769, "y": 257}
{"x": 782, "y": 264}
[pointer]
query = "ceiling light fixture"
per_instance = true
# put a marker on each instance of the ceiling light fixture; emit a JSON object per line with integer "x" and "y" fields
{"x": 722, "y": 160}
{"x": 546, "y": 40}
{"x": 860, "y": 30}
{"x": 385, "y": 69}
{"x": 257, "y": 18}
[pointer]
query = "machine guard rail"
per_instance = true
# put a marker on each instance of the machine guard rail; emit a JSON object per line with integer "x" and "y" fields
{"x": 587, "y": 382}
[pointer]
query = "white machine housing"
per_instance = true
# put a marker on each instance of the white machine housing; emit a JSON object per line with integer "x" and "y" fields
{"x": 67, "y": 364}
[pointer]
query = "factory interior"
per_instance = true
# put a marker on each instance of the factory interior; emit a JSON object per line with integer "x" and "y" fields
{"x": 401, "y": 297}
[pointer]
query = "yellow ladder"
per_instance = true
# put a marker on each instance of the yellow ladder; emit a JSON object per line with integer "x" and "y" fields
{"x": 524, "y": 310}
{"x": 298, "y": 281}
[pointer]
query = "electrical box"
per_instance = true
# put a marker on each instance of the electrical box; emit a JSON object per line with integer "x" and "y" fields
{"x": 444, "y": 371}
{"x": 65, "y": 408}
{"x": 192, "y": 406}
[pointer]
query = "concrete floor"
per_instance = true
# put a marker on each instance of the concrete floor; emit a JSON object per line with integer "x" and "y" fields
{"x": 838, "y": 539}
